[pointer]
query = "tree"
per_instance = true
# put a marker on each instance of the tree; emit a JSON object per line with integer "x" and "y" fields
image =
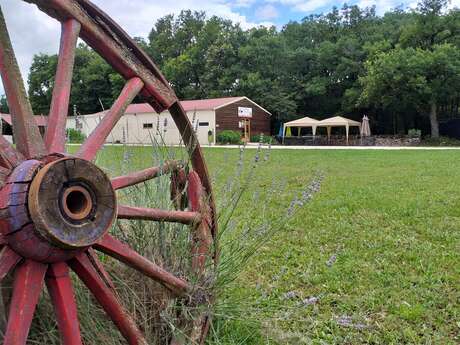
{"x": 413, "y": 78}
{"x": 196, "y": 54}
{"x": 94, "y": 83}
{"x": 41, "y": 82}
{"x": 429, "y": 26}
{"x": 4, "y": 105}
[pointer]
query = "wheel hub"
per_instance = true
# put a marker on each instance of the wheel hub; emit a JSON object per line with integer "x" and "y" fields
{"x": 57, "y": 209}
{"x": 76, "y": 203}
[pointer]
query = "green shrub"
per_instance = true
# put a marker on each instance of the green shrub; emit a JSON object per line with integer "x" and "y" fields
{"x": 414, "y": 133}
{"x": 229, "y": 137}
{"x": 74, "y": 136}
{"x": 266, "y": 139}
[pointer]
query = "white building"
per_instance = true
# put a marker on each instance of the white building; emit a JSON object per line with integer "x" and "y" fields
{"x": 142, "y": 125}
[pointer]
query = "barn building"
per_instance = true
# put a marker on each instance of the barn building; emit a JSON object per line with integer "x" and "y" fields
{"x": 142, "y": 125}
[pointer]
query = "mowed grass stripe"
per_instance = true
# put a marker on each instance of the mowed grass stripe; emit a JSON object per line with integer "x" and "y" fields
{"x": 378, "y": 247}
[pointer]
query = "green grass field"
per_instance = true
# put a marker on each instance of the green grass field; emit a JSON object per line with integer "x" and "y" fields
{"x": 374, "y": 258}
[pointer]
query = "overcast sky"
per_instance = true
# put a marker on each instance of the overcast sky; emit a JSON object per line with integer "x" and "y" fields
{"x": 33, "y": 32}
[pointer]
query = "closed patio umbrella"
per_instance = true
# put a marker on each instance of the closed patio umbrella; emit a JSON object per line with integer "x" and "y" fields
{"x": 365, "y": 128}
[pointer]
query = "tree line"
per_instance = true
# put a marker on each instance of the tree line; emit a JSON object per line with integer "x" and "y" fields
{"x": 402, "y": 69}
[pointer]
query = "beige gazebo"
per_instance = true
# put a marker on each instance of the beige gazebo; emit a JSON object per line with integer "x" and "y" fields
{"x": 338, "y": 121}
{"x": 304, "y": 122}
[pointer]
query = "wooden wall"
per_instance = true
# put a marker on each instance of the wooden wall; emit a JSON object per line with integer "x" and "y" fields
{"x": 227, "y": 118}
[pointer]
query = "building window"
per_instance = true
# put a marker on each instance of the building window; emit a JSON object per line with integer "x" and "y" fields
{"x": 203, "y": 124}
{"x": 148, "y": 125}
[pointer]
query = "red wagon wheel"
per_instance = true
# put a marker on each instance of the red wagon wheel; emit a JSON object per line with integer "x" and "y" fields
{"x": 57, "y": 208}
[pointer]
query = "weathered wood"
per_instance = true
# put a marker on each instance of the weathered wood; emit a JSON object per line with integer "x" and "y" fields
{"x": 28, "y": 139}
{"x": 9, "y": 157}
{"x": 62, "y": 295}
{"x": 155, "y": 214}
{"x": 47, "y": 192}
{"x": 196, "y": 156}
{"x": 92, "y": 255}
{"x": 55, "y": 132}
{"x": 201, "y": 231}
{"x": 28, "y": 285}
{"x": 82, "y": 266}
{"x": 178, "y": 192}
{"x": 122, "y": 252}
{"x": 97, "y": 138}
{"x": 143, "y": 175}
{"x": 4, "y": 172}
{"x": 8, "y": 260}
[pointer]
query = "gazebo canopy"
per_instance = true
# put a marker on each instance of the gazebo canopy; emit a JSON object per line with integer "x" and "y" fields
{"x": 303, "y": 122}
{"x": 339, "y": 121}
{"x": 336, "y": 121}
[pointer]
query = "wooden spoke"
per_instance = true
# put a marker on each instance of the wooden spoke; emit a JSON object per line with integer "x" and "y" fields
{"x": 143, "y": 175}
{"x": 202, "y": 237}
{"x": 92, "y": 255}
{"x": 8, "y": 260}
{"x": 4, "y": 173}
{"x": 55, "y": 133}
{"x": 97, "y": 138}
{"x": 60, "y": 289}
{"x": 28, "y": 284}
{"x": 122, "y": 252}
{"x": 177, "y": 189}
{"x": 26, "y": 134}
{"x": 82, "y": 266}
{"x": 155, "y": 214}
{"x": 9, "y": 157}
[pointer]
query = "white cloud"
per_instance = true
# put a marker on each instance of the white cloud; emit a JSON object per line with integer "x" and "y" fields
{"x": 304, "y": 5}
{"x": 382, "y": 6}
{"x": 31, "y": 32}
{"x": 310, "y": 6}
{"x": 243, "y": 3}
{"x": 454, "y": 4}
{"x": 267, "y": 12}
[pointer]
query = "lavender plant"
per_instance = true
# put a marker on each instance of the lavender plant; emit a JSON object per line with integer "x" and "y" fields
{"x": 246, "y": 224}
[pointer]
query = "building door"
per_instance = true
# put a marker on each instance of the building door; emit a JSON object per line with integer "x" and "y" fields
{"x": 246, "y": 130}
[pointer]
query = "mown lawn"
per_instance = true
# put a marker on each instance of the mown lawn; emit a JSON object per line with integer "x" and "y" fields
{"x": 374, "y": 258}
